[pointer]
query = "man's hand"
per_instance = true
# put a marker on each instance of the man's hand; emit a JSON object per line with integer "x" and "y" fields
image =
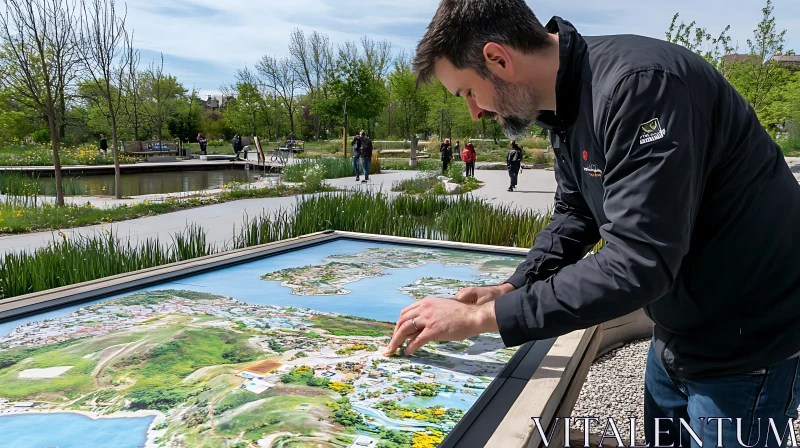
{"x": 483, "y": 294}
{"x": 435, "y": 319}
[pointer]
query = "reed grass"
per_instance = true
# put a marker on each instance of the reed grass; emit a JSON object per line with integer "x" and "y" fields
{"x": 334, "y": 168}
{"x": 68, "y": 261}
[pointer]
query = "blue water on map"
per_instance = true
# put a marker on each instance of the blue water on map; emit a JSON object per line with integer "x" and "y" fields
{"x": 373, "y": 298}
{"x": 72, "y": 431}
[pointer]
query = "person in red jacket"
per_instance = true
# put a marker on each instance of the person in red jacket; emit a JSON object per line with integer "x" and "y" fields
{"x": 469, "y": 156}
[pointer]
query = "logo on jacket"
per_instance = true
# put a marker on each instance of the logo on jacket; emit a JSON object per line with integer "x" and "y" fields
{"x": 593, "y": 170}
{"x": 651, "y": 131}
{"x": 585, "y": 155}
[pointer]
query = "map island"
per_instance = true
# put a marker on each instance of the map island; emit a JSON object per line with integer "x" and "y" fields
{"x": 212, "y": 371}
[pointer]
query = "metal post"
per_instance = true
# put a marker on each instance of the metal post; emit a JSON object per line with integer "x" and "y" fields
{"x": 414, "y": 143}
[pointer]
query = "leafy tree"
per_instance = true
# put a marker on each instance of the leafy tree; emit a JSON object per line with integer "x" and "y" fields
{"x": 160, "y": 93}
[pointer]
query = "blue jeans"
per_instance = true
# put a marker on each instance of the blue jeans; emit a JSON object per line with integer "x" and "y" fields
{"x": 772, "y": 393}
{"x": 356, "y": 168}
{"x": 365, "y": 161}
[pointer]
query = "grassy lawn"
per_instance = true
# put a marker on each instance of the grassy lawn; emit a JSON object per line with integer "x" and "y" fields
{"x": 69, "y": 385}
{"x": 279, "y": 413}
{"x": 348, "y": 326}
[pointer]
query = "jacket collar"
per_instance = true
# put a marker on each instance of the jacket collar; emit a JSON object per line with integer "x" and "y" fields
{"x": 572, "y": 50}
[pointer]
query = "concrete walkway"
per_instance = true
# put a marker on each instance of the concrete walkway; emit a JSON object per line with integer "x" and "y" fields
{"x": 536, "y": 190}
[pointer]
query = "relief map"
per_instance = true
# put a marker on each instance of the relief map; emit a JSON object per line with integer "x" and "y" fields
{"x": 284, "y": 351}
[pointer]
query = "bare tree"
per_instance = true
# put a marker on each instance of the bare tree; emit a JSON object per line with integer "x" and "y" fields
{"x": 105, "y": 49}
{"x": 279, "y": 76}
{"x": 378, "y": 55}
{"x": 38, "y": 40}
{"x": 133, "y": 96}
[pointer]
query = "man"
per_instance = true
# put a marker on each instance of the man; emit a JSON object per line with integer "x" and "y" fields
{"x": 237, "y": 145}
{"x": 447, "y": 154}
{"x": 357, "y": 156}
{"x": 366, "y": 155}
{"x": 514, "y": 163}
{"x": 103, "y": 144}
{"x": 659, "y": 156}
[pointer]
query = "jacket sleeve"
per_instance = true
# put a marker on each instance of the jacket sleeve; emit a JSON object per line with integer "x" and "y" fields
{"x": 651, "y": 185}
{"x": 569, "y": 236}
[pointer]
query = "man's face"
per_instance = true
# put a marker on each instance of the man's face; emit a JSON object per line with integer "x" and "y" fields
{"x": 514, "y": 106}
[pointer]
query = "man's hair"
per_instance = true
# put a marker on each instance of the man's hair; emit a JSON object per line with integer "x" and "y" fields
{"x": 460, "y": 30}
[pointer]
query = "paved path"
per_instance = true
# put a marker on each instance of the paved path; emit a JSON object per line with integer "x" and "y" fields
{"x": 535, "y": 191}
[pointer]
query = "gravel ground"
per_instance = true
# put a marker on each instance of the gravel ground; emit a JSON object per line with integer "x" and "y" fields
{"x": 615, "y": 388}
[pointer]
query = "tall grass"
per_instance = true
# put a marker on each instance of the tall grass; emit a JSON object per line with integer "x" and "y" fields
{"x": 334, "y": 168}
{"x": 80, "y": 259}
{"x": 464, "y": 219}
{"x": 21, "y": 184}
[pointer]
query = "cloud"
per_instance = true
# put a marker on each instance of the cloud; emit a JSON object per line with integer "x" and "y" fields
{"x": 205, "y": 41}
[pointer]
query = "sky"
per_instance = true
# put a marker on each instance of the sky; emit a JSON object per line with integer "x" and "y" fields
{"x": 204, "y": 42}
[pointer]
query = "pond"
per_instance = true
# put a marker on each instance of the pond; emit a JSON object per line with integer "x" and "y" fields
{"x": 138, "y": 184}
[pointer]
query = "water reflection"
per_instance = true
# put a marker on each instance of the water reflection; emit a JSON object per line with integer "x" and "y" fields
{"x": 137, "y": 184}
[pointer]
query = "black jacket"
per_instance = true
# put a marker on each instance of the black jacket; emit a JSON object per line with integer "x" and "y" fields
{"x": 661, "y": 157}
{"x": 356, "y": 147}
{"x": 366, "y": 147}
{"x": 447, "y": 152}
{"x": 514, "y": 156}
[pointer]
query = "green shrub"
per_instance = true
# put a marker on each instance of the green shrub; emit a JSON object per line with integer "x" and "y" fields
{"x": 790, "y": 146}
{"x": 41, "y": 136}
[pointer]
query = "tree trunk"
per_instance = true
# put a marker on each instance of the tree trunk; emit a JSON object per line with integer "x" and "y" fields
{"x": 62, "y": 132}
{"x": 117, "y": 171}
{"x": 51, "y": 121}
{"x": 344, "y": 137}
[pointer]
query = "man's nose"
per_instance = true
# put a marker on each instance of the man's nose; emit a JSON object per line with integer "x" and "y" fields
{"x": 474, "y": 110}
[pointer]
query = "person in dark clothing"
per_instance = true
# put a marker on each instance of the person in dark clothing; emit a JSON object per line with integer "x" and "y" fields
{"x": 457, "y": 151}
{"x": 201, "y": 139}
{"x": 514, "y": 163}
{"x": 447, "y": 154}
{"x": 237, "y": 146}
{"x": 366, "y": 155}
{"x": 357, "y": 156}
{"x": 103, "y": 144}
{"x": 659, "y": 155}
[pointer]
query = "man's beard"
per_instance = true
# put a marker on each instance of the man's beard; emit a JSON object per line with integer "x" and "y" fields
{"x": 518, "y": 107}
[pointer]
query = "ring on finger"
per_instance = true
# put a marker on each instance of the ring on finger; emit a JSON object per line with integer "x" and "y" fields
{"x": 414, "y": 324}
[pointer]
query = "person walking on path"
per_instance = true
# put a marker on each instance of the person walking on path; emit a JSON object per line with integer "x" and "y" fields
{"x": 366, "y": 155}
{"x": 201, "y": 139}
{"x": 457, "y": 151}
{"x": 237, "y": 146}
{"x": 514, "y": 163}
{"x": 469, "y": 156}
{"x": 447, "y": 154}
{"x": 103, "y": 144}
{"x": 660, "y": 157}
{"x": 357, "y": 156}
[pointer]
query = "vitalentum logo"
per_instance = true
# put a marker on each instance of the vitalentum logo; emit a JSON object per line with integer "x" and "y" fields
{"x": 652, "y": 131}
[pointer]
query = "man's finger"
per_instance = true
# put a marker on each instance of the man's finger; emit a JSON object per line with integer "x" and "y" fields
{"x": 405, "y": 317}
{"x": 404, "y": 313}
{"x": 421, "y": 339}
{"x": 404, "y": 331}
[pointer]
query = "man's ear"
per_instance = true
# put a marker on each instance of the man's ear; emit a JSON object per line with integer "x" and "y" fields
{"x": 498, "y": 61}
